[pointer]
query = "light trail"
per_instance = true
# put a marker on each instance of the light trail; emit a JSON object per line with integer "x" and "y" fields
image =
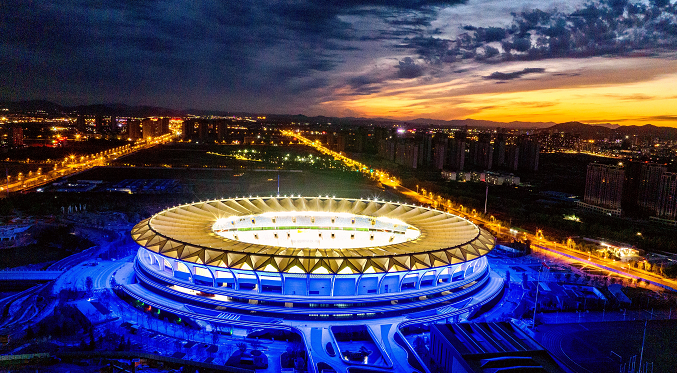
{"x": 73, "y": 164}
{"x": 428, "y": 197}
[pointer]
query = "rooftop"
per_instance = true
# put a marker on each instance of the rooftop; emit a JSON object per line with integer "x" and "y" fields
{"x": 319, "y": 235}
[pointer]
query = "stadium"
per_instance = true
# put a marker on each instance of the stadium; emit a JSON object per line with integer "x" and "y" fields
{"x": 270, "y": 259}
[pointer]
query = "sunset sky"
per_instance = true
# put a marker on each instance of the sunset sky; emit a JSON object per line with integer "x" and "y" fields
{"x": 611, "y": 61}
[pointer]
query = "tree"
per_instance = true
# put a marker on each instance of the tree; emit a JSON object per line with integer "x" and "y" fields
{"x": 89, "y": 285}
{"x": 419, "y": 342}
{"x": 242, "y": 347}
{"x": 92, "y": 342}
{"x": 256, "y": 344}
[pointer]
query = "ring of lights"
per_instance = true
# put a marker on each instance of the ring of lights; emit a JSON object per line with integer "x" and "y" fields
{"x": 309, "y": 256}
{"x": 186, "y": 233}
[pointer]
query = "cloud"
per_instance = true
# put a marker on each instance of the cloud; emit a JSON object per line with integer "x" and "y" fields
{"x": 211, "y": 54}
{"x": 599, "y": 28}
{"x": 637, "y": 120}
{"x": 633, "y": 97}
{"x": 671, "y": 118}
{"x": 408, "y": 69}
{"x": 365, "y": 84}
{"x": 276, "y": 55}
{"x": 515, "y": 74}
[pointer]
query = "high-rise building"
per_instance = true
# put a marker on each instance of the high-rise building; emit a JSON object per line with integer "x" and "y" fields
{"x": 113, "y": 124}
{"x": 164, "y": 126}
{"x": 147, "y": 128}
{"x": 407, "y": 154}
{"x": 17, "y": 136}
{"x": 440, "y": 147}
{"x": 425, "y": 149}
{"x": 152, "y": 127}
{"x": 666, "y": 205}
{"x": 499, "y": 151}
{"x": 221, "y": 127}
{"x": 481, "y": 153}
{"x": 80, "y": 124}
{"x": 649, "y": 183}
{"x": 134, "y": 129}
{"x": 604, "y": 185}
{"x": 456, "y": 154}
{"x": 386, "y": 149}
{"x": 631, "y": 186}
{"x": 188, "y": 129}
{"x": 512, "y": 157}
{"x": 529, "y": 153}
{"x": 98, "y": 121}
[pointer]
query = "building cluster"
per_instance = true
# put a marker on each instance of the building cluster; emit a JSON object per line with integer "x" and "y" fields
{"x": 450, "y": 150}
{"x": 131, "y": 128}
{"x": 148, "y": 127}
{"x": 11, "y": 135}
{"x": 461, "y": 151}
{"x": 645, "y": 187}
{"x": 489, "y": 177}
{"x": 559, "y": 142}
{"x": 229, "y": 131}
{"x": 24, "y": 130}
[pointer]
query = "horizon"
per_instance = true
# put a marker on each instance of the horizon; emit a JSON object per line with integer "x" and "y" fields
{"x": 219, "y": 112}
{"x": 528, "y": 61}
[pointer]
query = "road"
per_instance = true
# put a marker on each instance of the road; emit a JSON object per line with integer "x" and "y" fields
{"x": 549, "y": 247}
{"x": 74, "y": 165}
{"x": 22, "y": 309}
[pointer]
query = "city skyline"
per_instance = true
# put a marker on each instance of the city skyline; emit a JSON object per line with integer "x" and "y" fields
{"x": 553, "y": 61}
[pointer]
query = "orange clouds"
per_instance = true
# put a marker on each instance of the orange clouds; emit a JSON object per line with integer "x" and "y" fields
{"x": 623, "y": 90}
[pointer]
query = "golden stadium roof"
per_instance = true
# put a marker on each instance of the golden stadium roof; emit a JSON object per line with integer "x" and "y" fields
{"x": 379, "y": 236}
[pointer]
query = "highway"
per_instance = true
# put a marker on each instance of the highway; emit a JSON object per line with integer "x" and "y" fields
{"x": 551, "y": 248}
{"x": 72, "y": 165}
{"x": 538, "y": 241}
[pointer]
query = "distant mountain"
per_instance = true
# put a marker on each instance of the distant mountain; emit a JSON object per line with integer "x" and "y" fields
{"x": 649, "y": 130}
{"x": 582, "y": 129}
{"x": 585, "y": 130}
{"x": 98, "y": 109}
{"x": 123, "y": 110}
{"x": 610, "y": 130}
{"x": 32, "y": 106}
{"x": 482, "y": 123}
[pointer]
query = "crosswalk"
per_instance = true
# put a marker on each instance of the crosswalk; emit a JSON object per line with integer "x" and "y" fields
{"x": 453, "y": 307}
{"x": 228, "y": 316}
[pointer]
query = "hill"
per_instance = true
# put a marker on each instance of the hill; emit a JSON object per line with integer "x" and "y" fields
{"x": 602, "y": 131}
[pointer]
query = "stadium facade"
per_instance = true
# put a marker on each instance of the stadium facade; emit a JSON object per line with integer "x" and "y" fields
{"x": 272, "y": 259}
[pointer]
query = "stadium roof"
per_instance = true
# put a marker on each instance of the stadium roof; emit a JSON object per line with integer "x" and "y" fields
{"x": 187, "y": 233}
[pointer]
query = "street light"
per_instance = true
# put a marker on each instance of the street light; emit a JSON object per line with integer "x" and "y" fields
{"x": 538, "y": 284}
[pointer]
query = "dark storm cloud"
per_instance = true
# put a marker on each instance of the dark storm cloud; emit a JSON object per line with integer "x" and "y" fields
{"x": 216, "y": 52}
{"x": 515, "y": 74}
{"x": 606, "y": 27}
{"x": 365, "y": 84}
{"x": 432, "y": 50}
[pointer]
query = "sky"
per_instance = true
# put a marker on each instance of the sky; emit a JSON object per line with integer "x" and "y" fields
{"x": 607, "y": 61}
